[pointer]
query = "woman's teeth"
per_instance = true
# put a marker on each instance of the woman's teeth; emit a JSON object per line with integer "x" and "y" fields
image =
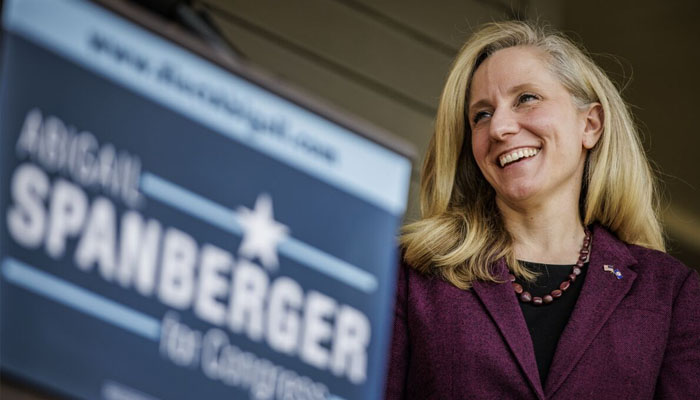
{"x": 517, "y": 155}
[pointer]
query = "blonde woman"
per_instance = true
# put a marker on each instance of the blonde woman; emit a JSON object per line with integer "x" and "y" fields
{"x": 537, "y": 270}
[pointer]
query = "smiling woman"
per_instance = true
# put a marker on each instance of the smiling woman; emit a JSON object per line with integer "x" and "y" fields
{"x": 539, "y": 240}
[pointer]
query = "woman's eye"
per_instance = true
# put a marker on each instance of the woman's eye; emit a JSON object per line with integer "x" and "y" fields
{"x": 526, "y": 97}
{"x": 480, "y": 115}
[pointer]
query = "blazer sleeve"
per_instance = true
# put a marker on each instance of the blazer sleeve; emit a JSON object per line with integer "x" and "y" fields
{"x": 399, "y": 352}
{"x": 679, "y": 377}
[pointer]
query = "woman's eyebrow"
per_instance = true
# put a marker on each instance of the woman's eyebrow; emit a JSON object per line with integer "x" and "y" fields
{"x": 511, "y": 91}
{"x": 479, "y": 104}
{"x": 521, "y": 87}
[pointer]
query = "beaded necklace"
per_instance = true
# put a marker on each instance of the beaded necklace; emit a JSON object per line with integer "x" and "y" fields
{"x": 526, "y": 297}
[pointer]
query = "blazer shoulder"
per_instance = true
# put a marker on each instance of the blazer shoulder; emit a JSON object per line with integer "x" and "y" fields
{"x": 658, "y": 260}
{"x": 416, "y": 286}
{"x": 410, "y": 275}
{"x": 660, "y": 267}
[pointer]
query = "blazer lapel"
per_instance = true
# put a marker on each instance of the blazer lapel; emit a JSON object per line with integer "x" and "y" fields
{"x": 503, "y": 307}
{"x": 601, "y": 293}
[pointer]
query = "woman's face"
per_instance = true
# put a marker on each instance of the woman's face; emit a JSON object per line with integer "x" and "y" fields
{"x": 528, "y": 137}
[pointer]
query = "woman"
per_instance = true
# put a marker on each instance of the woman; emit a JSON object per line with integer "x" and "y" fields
{"x": 537, "y": 269}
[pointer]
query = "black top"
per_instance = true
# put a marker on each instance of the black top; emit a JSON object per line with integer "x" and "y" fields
{"x": 547, "y": 322}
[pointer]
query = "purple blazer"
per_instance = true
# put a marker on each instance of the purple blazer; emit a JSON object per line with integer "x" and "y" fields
{"x": 632, "y": 338}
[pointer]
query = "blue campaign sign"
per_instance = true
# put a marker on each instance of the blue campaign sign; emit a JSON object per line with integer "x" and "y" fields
{"x": 172, "y": 228}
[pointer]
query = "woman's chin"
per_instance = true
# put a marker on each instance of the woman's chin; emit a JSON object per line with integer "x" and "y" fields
{"x": 518, "y": 194}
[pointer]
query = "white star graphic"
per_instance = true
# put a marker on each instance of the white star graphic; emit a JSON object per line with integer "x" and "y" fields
{"x": 262, "y": 233}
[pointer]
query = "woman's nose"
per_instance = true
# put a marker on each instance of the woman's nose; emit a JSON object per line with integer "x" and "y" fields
{"x": 503, "y": 123}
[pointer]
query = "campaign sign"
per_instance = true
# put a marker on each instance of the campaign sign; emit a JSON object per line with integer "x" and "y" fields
{"x": 173, "y": 229}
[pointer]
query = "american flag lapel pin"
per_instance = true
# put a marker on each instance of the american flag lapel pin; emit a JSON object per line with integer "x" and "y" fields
{"x": 613, "y": 270}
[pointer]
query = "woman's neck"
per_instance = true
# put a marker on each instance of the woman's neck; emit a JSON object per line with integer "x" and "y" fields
{"x": 551, "y": 234}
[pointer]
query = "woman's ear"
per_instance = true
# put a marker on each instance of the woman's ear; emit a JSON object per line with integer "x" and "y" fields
{"x": 594, "y": 125}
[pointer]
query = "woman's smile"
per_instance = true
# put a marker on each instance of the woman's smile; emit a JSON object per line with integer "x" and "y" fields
{"x": 510, "y": 157}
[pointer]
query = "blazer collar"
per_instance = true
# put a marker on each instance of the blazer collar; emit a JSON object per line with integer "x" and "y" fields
{"x": 601, "y": 293}
{"x": 502, "y": 305}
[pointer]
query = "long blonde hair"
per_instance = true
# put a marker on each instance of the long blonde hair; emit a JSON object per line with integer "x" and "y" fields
{"x": 460, "y": 233}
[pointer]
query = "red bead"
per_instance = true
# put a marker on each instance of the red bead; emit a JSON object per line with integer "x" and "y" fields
{"x": 572, "y": 277}
{"x": 547, "y": 298}
{"x": 537, "y": 301}
{"x": 579, "y": 263}
{"x": 556, "y": 293}
{"x": 576, "y": 271}
{"x": 518, "y": 289}
{"x": 511, "y": 277}
{"x": 526, "y": 297}
{"x": 583, "y": 257}
{"x": 584, "y": 251}
{"x": 564, "y": 285}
